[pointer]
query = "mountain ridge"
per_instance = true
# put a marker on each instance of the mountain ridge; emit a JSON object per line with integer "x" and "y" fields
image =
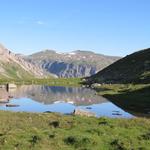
{"x": 77, "y": 63}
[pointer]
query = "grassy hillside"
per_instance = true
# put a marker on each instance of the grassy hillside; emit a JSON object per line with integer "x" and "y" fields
{"x": 13, "y": 66}
{"x": 25, "y": 131}
{"x": 132, "y": 68}
{"x": 14, "y": 71}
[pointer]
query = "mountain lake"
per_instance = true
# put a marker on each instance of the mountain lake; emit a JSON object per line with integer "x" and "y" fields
{"x": 38, "y": 98}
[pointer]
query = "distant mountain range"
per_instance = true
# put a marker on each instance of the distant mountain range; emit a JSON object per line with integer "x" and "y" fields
{"x": 134, "y": 68}
{"x": 74, "y": 64}
{"x": 100, "y": 68}
{"x": 50, "y": 63}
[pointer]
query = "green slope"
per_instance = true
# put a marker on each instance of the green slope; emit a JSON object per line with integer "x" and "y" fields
{"x": 134, "y": 68}
{"x": 14, "y": 71}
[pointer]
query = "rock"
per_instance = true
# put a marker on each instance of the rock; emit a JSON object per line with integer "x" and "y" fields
{"x": 10, "y": 96}
{"x": 82, "y": 112}
{"x": 2, "y": 86}
{"x": 4, "y": 95}
{"x": 94, "y": 85}
{"x": 88, "y": 107}
{"x": 4, "y": 101}
{"x": 11, "y": 85}
{"x": 66, "y": 69}
{"x": 12, "y": 105}
{"x": 83, "y": 80}
{"x": 117, "y": 114}
{"x": 116, "y": 111}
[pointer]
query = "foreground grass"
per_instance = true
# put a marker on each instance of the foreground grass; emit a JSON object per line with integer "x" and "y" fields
{"x": 23, "y": 131}
{"x": 135, "y": 98}
{"x": 49, "y": 81}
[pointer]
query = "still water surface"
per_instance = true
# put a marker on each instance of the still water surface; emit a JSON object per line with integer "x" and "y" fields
{"x": 37, "y": 98}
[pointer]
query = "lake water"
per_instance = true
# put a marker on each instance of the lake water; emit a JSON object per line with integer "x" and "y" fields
{"x": 36, "y": 98}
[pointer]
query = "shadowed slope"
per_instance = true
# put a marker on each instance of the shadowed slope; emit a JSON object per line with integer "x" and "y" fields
{"x": 132, "y": 68}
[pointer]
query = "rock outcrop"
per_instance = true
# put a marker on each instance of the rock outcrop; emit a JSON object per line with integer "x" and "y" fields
{"x": 82, "y": 112}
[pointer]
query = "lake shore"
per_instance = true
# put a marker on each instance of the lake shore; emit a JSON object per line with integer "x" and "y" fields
{"x": 133, "y": 98}
{"x": 42, "y": 131}
{"x": 75, "y": 82}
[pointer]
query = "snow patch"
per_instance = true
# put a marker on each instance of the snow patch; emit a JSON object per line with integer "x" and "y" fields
{"x": 59, "y": 53}
{"x": 72, "y": 53}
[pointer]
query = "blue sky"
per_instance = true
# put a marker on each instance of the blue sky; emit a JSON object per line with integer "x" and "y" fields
{"x": 112, "y": 27}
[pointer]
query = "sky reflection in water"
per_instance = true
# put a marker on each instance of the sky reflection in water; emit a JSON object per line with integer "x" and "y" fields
{"x": 35, "y": 98}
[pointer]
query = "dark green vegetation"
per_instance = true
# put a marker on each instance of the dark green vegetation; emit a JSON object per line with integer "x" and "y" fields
{"x": 134, "y": 98}
{"x": 48, "y": 81}
{"x": 25, "y": 131}
{"x": 134, "y": 68}
{"x": 127, "y": 83}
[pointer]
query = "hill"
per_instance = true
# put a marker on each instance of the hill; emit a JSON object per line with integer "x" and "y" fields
{"x": 134, "y": 68}
{"x": 13, "y": 66}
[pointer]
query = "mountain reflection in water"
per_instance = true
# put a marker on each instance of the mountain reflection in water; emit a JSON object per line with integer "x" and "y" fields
{"x": 37, "y": 98}
{"x": 51, "y": 94}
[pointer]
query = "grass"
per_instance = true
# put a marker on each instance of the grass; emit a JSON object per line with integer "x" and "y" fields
{"x": 14, "y": 71}
{"x": 134, "y": 98}
{"x": 23, "y": 131}
{"x": 48, "y": 81}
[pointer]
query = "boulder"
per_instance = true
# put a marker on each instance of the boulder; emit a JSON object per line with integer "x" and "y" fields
{"x": 12, "y": 105}
{"x": 95, "y": 85}
{"x": 82, "y": 112}
{"x": 11, "y": 85}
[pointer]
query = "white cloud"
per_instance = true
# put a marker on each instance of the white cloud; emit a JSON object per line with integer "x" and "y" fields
{"x": 40, "y": 22}
{"x": 31, "y": 22}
